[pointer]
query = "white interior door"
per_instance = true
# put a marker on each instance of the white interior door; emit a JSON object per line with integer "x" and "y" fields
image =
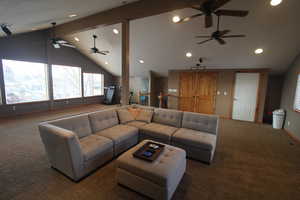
{"x": 245, "y": 96}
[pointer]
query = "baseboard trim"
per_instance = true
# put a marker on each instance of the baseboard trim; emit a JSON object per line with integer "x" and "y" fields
{"x": 291, "y": 135}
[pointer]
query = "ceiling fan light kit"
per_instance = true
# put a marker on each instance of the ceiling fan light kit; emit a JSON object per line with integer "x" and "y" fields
{"x": 210, "y": 8}
{"x": 95, "y": 50}
{"x": 219, "y": 35}
{"x": 58, "y": 42}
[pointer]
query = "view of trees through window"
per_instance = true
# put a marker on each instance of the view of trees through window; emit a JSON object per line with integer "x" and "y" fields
{"x": 66, "y": 82}
{"x": 28, "y": 82}
{"x": 93, "y": 84}
{"x": 25, "y": 81}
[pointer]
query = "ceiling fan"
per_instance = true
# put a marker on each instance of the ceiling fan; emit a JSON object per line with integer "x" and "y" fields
{"x": 96, "y": 50}
{"x": 219, "y": 35}
{"x": 210, "y": 7}
{"x": 58, "y": 42}
{"x": 5, "y": 29}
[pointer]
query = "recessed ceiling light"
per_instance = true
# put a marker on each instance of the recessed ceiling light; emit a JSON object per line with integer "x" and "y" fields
{"x": 275, "y": 2}
{"x": 188, "y": 54}
{"x": 116, "y": 31}
{"x": 77, "y": 39}
{"x": 259, "y": 51}
{"x": 106, "y": 62}
{"x": 176, "y": 19}
{"x": 72, "y": 15}
{"x": 141, "y": 61}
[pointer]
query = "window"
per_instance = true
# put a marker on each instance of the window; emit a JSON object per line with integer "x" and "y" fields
{"x": 25, "y": 81}
{"x": 66, "y": 82}
{"x": 297, "y": 98}
{"x": 93, "y": 84}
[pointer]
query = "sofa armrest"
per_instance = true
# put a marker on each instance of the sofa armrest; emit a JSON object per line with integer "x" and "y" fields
{"x": 63, "y": 149}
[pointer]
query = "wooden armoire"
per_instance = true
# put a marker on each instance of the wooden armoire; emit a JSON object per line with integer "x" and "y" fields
{"x": 198, "y": 92}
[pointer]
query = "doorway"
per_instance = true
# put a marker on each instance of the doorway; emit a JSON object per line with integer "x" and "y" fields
{"x": 245, "y": 96}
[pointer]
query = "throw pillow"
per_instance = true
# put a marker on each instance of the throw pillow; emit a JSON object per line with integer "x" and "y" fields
{"x": 134, "y": 111}
{"x": 144, "y": 116}
{"x": 125, "y": 116}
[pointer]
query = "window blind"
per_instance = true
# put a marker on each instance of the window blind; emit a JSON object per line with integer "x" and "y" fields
{"x": 297, "y": 98}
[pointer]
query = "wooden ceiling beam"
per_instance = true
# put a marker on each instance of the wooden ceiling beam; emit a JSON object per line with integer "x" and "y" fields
{"x": 135, "y": 10}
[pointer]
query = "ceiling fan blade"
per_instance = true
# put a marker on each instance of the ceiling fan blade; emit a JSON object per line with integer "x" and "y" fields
{"x": 208, "y": 21}
{"x": 221, "y": 33}
{"x": 203, "y": 36}
{"x": 196, "y": 7}
{"x": 233, "y": 36}
{"x": 221, "y": 41}
{"x": 68, "y": 45}
{"x": 61, "y": 42}
{"x": 56, "y": 45}
{"x": 102, "y": 53}
{"x": 234, "y": 13}
{"x": 220, "y": 3}
{"x": 6, "y": 30}
{"x": 189, "y": 18}
{"x": 204, "y": 41}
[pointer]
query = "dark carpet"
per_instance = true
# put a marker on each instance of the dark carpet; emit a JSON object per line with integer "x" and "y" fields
{"x": 253, "y": 161}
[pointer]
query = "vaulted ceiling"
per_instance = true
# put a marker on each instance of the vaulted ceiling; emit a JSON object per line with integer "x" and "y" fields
{"x": 163, "y": 45}
{"x": 25, "y": 15}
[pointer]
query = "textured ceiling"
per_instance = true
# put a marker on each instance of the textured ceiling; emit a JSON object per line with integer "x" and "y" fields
{"x": 25, "y": 15}
{"x": 162, "y": 44}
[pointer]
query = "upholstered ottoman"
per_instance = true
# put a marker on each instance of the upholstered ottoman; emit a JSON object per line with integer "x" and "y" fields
{"x": 158, "y": 179}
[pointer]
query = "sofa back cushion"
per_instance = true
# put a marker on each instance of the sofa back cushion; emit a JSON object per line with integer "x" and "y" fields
{"x": 78, "y": 124}
{"x": 168, "y": 117}
{"x": 103, "y": 119}
{"x": 145, "y": 115}
{"x": 125, "y": 116}
{"x": 200, "y": 122}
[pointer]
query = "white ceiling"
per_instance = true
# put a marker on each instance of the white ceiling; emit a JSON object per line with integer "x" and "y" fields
{"x": 25, "y": 15}
{"x": 162, "y": 44}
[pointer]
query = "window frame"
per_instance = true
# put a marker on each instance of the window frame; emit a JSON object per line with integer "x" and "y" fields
{"x": 297, "y": 92}
{"x": 102, "y": 82}
{"x": 80, "y": 81}
{"x": 4, "y": 92}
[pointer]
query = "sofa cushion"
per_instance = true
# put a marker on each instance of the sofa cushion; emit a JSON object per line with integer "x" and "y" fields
{"x": 125, "y": 116}
{"x": 103, "y": 119}
{"x": 168, "y": 117}
{"x": 157, "y": 131}
{"x": 78, "y": 124}
{"x": 193, "y": 138}
{"x": 200, "y": 122}
{"x": 134, "y": 111}
{"x": 145, "y": 115}
{"x": 136, "y": 124}
{"x": 123, "y": 137}
{"x": 94, "y": 146}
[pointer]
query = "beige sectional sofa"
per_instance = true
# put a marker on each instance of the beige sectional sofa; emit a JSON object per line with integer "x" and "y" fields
{"x": 80, "y": 144}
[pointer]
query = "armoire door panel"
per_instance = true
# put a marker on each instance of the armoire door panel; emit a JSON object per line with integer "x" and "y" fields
{"x": 197, "y": 92}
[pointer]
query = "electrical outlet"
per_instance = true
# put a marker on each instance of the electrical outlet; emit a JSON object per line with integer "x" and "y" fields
{"x": 14, "y": 108}
{"x": 288, "y": 123}
{"x": 67, "y": 102}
